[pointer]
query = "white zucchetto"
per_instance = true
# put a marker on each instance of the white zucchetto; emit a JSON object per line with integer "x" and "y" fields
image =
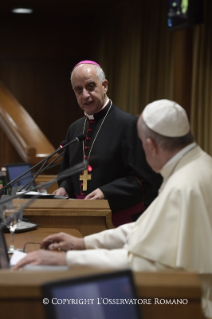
{"x": 166, "y": 118}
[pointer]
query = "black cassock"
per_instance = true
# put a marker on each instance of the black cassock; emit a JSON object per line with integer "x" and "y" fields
{"x": 123, "y": 175}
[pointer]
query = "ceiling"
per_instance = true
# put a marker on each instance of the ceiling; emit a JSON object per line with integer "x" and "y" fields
{"x": 58, "y": 7}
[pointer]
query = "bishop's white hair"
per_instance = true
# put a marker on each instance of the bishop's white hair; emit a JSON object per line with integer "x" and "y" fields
{"x": 99, "y": 72}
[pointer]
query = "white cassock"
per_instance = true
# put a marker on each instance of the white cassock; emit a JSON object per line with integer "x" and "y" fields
{"x": 175, "y": 232}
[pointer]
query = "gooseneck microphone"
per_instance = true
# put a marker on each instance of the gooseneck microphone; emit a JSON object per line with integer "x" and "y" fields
{"x": 42, "y": 168}
{"x": 81, "y": 137}
{"x": 93, "y": 162}
{"x": 63, "y": 145}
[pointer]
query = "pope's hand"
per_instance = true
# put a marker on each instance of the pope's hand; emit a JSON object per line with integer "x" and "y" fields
{"x": 63, "y": 241}
{"x": 42, "y": 257}
{"x": 61, "y": 192}
{"x": 97, "y": 194}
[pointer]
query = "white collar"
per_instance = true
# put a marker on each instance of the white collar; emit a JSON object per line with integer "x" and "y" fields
{"x": 180, "y": 154}
{"x": 91, "y": 117}
{"x": 168, "y": 168}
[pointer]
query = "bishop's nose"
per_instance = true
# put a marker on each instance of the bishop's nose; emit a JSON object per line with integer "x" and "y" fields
{"x": 85, "y": 93}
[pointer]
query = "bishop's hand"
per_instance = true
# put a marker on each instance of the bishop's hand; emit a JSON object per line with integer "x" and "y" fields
{"x": 61, "y": 192}
{"x": 97, "y": 194}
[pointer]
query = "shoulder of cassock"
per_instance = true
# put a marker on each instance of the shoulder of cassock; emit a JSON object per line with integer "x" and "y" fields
{"x": 176, "y": 229}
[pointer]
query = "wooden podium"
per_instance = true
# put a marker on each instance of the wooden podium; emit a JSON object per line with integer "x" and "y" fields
{"x": 20, "y": 294}
{"x": 87, "y": 216}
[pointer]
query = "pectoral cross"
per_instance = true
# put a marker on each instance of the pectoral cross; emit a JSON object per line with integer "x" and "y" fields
{"x": 85, "y": 177}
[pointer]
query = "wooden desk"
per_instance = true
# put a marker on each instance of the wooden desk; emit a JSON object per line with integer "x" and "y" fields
{"x": 40, "y": 179}
{"x": 88, "y": 216}
{"x": 37, "y": 236}
{"x": 20, "y": 293}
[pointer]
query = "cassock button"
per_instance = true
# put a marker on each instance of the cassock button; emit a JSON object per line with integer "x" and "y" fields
{"x": 86, "y": 147}
{"x": 90, "y": 129}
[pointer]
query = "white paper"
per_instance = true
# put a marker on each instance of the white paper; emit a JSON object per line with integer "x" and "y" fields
{"x": 31, "y": 193}
{"x": 17, "y": 255}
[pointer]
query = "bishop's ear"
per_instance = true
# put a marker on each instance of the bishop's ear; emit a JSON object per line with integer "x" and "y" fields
{"x": 105, "y": 85}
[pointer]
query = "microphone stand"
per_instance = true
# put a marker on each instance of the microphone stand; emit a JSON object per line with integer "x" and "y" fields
{"x": 45, "y": 168}
{"x": 68, "y": 172}
{"x": 31, "y": 168}
{"x": 26, "y": 187}
{"x": 79, "y": 138}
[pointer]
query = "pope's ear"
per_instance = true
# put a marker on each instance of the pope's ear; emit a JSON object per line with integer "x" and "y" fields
{"x": 105, "y": 85}
{"x": 152, "y": 146}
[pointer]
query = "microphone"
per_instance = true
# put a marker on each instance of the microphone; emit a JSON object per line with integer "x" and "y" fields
{"x": 63, "y": 145}
{"x": 81, "y": 137}
{"x": 50, "y": 165}
{"x": 93, "y": 162}
{"x": 42, "y": 168}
